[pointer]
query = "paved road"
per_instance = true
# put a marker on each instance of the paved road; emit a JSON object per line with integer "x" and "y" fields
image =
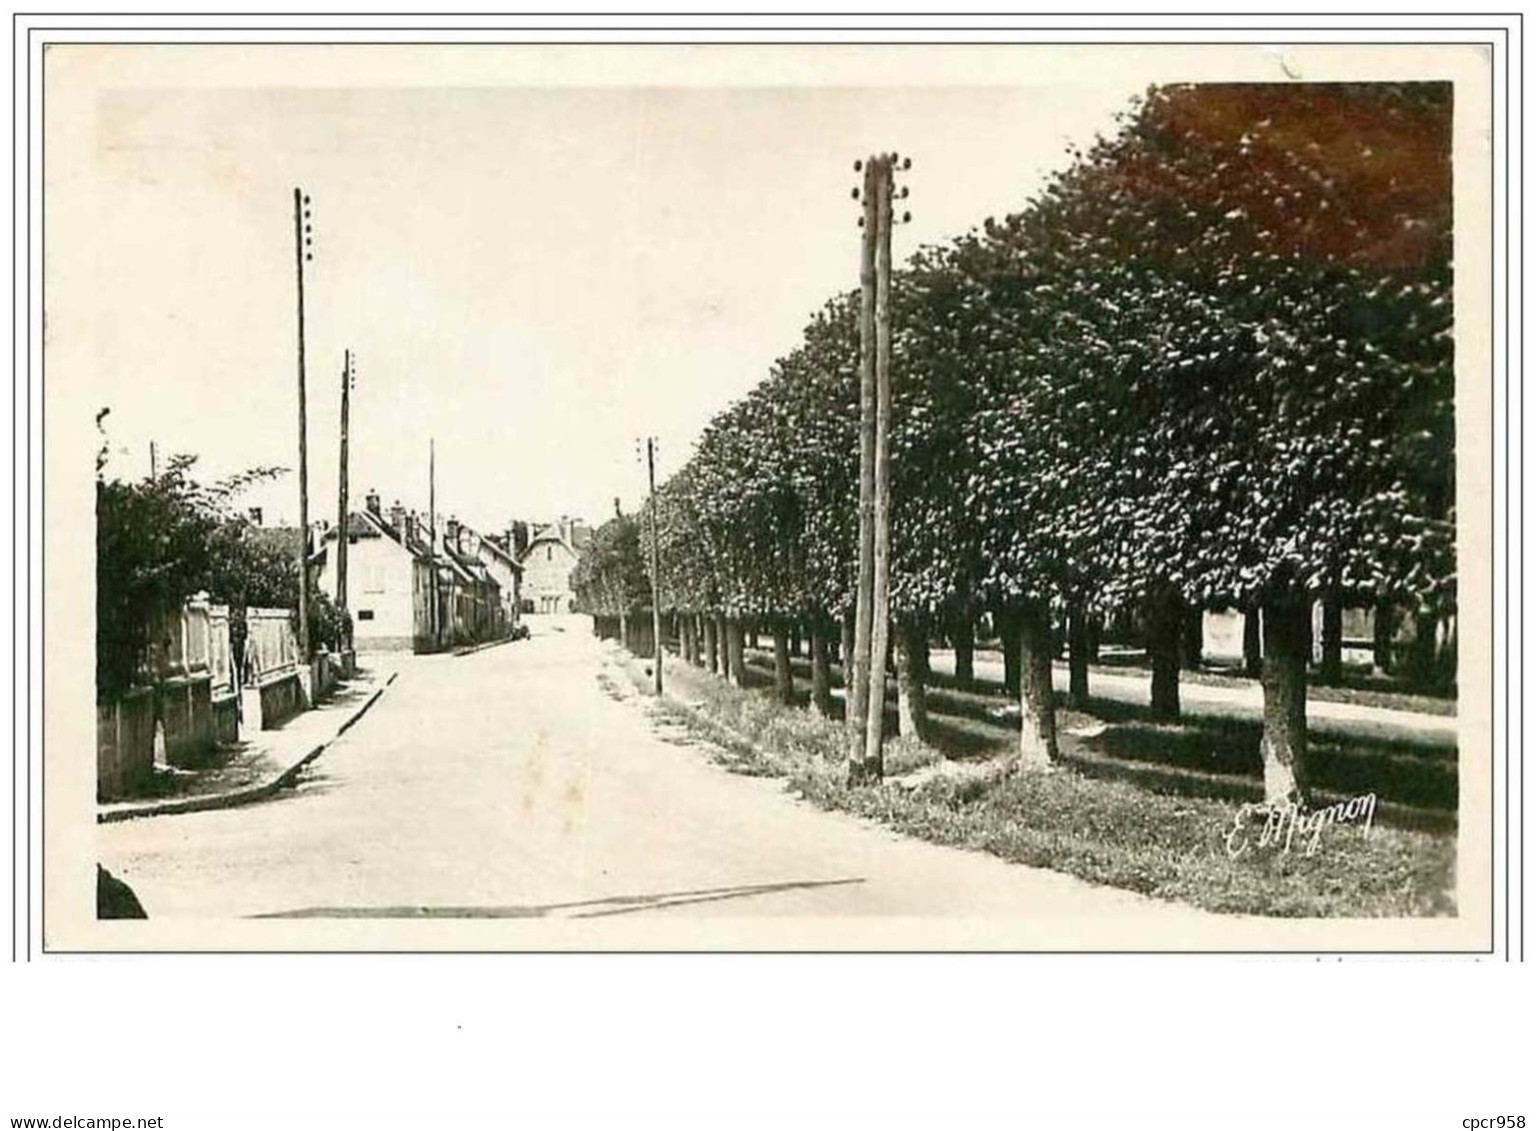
{"x": 509, "y": 784}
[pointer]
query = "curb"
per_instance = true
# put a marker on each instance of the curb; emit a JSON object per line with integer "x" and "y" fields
{"x": 473, "y": 648}
{"x": 248, "y": 794}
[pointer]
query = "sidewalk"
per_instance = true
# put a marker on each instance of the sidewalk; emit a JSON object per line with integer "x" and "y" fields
{"x": 265, "y": 761}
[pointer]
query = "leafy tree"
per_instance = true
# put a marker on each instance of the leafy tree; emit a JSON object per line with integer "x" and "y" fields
{"x": 159, "y": 542}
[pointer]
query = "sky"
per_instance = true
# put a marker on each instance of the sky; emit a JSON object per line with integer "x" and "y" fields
{"x": 533, "y": 276}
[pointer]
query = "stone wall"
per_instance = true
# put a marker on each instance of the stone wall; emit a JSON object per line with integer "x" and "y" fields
{"x": 186, "y": 711}
{"x": 281, "y": 698}
{"x": 125, "y": 744}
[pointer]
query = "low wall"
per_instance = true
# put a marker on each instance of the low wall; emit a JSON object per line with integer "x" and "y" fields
{"x": 186, "y": 710}
{"x": 281, "y": 697}
{"x": 125, "y": 744}
{"x": 226, "y": 719}
{"x": 323, "y": 676}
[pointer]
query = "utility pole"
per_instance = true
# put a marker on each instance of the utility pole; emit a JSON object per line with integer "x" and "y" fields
{"x": 341, "y": 499}
{"x": 302, "y": 242}
{"x": 154, "y": 466}
{"x": 650, "y": 460}
{"x": 856, "y": 673}
{"x": 432, "y": 609}
{"x": 872, "y": 614}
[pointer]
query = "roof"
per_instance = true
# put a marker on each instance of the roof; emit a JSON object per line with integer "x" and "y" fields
{"x": 357, "y": 524}
{"x": 551, "y": 534}
{"x": 505, "y": 556}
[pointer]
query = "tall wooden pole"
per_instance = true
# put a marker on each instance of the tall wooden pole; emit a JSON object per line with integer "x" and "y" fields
{"x": 650, "y": 460}
{"x": 301, "y": 254}
{"x": 433, "y": 612}
{"x": 341, "y": 495}
{"x": 858, "y": 680}
{"x": 881, "y": 599}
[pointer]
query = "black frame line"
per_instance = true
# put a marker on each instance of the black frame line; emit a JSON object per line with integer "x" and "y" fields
{"x": 1504, "y": 35}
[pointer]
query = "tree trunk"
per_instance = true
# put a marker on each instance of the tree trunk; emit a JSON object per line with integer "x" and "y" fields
{"x": 1330, "y": 669}
{"x": 1382, "y": 631}
{"x": 783, "y": 677}
{"x": 1191, "y": 636}
{"x": 1037, "y": 701}
{"x": 1422, "y": 652}
{"x": 911, "y": 678}
{"x": 794, "y": 640}
{"x": 733, "y": 651}
{"x": 624, "y": 640}
{"x": 1008, "y": 636}
{"x": 964, "y": 640}
{"x": 821, "y": 670}
{"x": 684, "y": 627}
{"x": 712, "y": 644}
{"x": 845, "y": 648}
{"x": 1253, "y": 642}
{"x": 1287, "y": 647}
{"x": 1164, "y": 619}
{"x": 1077, "y": 656}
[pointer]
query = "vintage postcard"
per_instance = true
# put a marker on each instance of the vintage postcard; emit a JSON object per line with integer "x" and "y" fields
{"x": 744, "y": 497}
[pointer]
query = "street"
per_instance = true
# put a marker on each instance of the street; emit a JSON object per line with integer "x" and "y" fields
{"x": 508, "y": 784}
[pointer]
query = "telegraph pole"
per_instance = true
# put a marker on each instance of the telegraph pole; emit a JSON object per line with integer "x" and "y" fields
{"x": 856, "y": 673}
{"x": 872, "y": 615}
{"x": 650, "y": 460}
{"x": 302, "y": 242}
{"x": 432, "y": 610}
{"x": 341, "y": 500}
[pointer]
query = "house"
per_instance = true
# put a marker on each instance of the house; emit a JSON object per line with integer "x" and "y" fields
{"x": 495, "y": 553}
{"x": 474, "y": 605}
{"x": 548, "y": 563}
{"x": 389, "y": 578}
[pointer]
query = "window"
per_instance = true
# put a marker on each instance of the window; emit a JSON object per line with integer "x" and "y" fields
{"x": 364, "y": 614}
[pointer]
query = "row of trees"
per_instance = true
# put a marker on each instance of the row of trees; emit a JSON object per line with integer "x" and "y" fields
{"x": 167, "y": 537}
{"x": 1210, "y": 365}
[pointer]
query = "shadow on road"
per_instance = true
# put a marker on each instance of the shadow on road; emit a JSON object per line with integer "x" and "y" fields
{"x": 613, "y": 905}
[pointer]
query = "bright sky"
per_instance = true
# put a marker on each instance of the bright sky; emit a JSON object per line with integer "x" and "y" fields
{"x": 534, "y": 277}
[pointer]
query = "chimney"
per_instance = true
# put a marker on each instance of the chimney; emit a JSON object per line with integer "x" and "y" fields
{"x": 373, "y": 503}
{"x": 255, "y": 515}
{"x": 397, "y": 518}
{"x": 451, "y": 534}
{"x": 617, "y": 510}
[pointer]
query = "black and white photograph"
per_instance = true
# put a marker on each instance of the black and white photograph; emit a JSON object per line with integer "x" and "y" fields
{"x": 728, "y": 497}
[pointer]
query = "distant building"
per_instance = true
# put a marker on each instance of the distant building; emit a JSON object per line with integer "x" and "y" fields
{"x": 406, "y": 590}
{"x": 389, "y": 578}
{"x": 494, "y": 552}
{"x": 547, "y": 565}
